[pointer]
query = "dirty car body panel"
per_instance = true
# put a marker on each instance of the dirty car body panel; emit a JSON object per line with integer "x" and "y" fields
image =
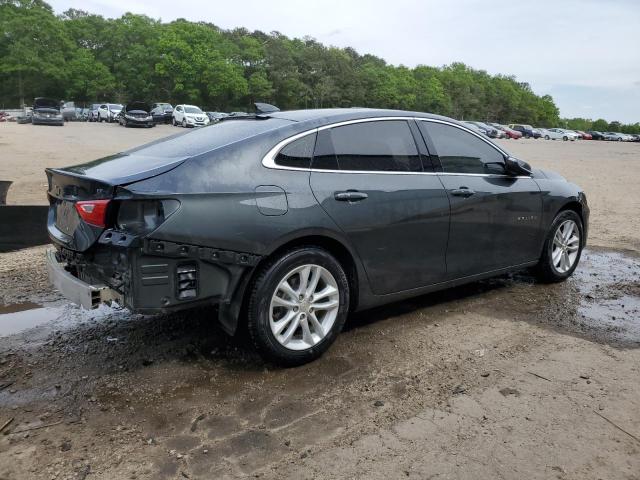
{"x": 187, "y": 220}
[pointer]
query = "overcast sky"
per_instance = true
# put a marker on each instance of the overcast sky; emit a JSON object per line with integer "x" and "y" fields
{"x": 585, "y": 53}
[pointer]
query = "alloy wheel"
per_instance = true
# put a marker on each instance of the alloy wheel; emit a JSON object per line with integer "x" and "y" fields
{"x": 304, "y": 307}
{"x": 566, "y": 246}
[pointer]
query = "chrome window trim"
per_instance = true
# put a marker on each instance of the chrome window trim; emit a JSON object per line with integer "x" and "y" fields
{"x": 268, "y": 160}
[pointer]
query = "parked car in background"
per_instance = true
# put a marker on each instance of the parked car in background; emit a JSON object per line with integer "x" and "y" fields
{"x": 527, "y": 130}
{"x": 550, "y": 134}
{"x": 136, "y": 114}
{"x": 472, "y": 126}
{"x": 613, "y": 136}
{"x": 627, "y": 137}
{"x": 636, "y": 137}
{"x": 46, "y": 111}
{"x": 92, "y": 114}
{"x": 279, "y": 221}
{"x": 162, "y": 112}
{"x": 69, "y": 112}
{"x": 216, "y": 116}
{"x": 595, "y": 135}
{"x": 509, "y": 132}
{"x": 491, "y": 131}
{"x": 584, "y": 135}
{"x": 107, "y": 112}
{"x": 566, "y": 135}
{"x": 189, "y": 116}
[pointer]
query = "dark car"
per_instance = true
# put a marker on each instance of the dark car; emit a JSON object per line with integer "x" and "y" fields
{"x": 216, "y": 116}
{"x": 292, "y": 220}
{"x": 596, "y": 135}
{"x": 46, "y": 111}
{"x": 136, "y": 114}
{"x": 162, "y": 112}
{"x": 527, "y": 130}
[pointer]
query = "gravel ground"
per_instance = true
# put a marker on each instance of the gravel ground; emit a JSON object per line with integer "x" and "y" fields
{"x": 504, "y": 378}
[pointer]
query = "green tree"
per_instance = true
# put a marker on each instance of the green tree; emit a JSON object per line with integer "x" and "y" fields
{"x": 33, "y": 50}
{"x": 87, "y": 79}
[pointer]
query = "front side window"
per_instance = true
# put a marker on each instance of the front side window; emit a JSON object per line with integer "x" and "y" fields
{"x": 379, "y": 146}
{"x": 463, "y": 152}
{"x": 297, "y": 153}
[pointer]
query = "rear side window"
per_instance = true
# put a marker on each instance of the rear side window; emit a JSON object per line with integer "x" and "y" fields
{"x": 297, "y": 153}
{"x": 461, "y": 151}
{"x": 380, "y": 146}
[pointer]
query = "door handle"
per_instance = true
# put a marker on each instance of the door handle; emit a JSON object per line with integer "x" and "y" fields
{"x": 350, "y": 196}
{"x": 462, "y": 192}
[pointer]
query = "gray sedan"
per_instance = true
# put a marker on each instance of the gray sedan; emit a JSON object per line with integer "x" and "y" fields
{"x": 290, "y": 221}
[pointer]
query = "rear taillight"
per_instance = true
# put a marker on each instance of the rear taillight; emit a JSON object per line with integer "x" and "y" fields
{"x": 140, "y": 217}
{"x": 93, "y": 212}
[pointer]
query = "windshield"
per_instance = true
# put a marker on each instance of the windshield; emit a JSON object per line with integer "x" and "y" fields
{"x": 192, "y": 110}
{"x": 115, "y": 106}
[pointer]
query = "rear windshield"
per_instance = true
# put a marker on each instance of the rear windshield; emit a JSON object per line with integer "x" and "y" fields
{"x": 208, "y": 138}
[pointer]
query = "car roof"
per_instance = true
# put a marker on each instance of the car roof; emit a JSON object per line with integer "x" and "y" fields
{"x": 326, "y": 116}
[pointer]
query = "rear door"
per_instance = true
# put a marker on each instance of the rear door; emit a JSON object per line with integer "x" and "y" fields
{"x": 495, "y": 217}
{"x": 368, "y": 177}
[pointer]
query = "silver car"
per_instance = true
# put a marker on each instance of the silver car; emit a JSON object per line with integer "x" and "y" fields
{"x": 107, "y": 112}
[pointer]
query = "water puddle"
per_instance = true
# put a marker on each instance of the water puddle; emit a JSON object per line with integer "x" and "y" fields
{"x": 609, "y": 287}
{"x": 23, "y": 316}
{"x": 20, "y": 317}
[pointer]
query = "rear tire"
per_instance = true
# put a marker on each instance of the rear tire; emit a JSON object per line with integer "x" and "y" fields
{"x": 562, "y": 248}
{"x": 287, "y": 324}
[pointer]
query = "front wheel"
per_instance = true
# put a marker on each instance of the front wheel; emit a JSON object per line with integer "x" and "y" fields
{"x": 562, "y": 248}
{"x": 546, "y": 137}
{"x": 297, "y": 306}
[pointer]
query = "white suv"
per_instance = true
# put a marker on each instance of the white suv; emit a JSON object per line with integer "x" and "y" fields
{"x": 107, "y": 112}
{"x": 189, "y": 116}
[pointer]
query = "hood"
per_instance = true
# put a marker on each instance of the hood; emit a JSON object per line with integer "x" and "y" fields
{"x": 43, "y": 102}
{"x": 137, "y": 106}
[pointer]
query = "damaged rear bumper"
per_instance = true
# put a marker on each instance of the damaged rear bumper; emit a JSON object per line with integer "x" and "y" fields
{"x": 153, "y": 276}
{"x": 77, "y": 291}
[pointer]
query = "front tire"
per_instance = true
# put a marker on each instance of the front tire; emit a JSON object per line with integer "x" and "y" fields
{"x": 184, "y": 123}
{"x": 562, "y": 248}
{"x": 297, "y": 306}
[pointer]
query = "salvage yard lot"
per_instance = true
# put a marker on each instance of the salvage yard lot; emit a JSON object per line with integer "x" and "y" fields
{"x": 504, "y": 378}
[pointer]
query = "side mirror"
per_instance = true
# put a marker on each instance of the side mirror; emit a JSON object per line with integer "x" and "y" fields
{"x": 517, "y": 167}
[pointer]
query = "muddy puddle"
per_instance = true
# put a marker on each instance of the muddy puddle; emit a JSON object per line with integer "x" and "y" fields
{"x": 608, "y": 284}
{"x": 20, "y": 318}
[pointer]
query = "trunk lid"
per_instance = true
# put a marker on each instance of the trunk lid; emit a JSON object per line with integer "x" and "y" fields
{"x": 97, "y": 180}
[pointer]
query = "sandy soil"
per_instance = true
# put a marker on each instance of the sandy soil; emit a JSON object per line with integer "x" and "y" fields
{"x": 504, "y": 378}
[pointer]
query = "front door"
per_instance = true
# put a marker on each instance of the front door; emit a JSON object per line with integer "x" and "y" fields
{"x": 495, "y": 217}
{"x": 369, "y": 179}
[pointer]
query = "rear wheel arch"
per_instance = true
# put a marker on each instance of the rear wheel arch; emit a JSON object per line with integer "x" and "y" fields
{"x": 233, "y": 315}
{"x": 335, "y": 247}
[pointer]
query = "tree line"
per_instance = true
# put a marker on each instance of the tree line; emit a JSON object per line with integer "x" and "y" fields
{"x": 87, "y": 58}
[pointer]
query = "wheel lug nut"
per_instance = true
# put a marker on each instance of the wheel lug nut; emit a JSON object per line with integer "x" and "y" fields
{"x": 295, "y": 309}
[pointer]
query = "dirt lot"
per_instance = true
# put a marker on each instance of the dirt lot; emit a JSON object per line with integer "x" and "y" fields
{"x": 498, "y": 379}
